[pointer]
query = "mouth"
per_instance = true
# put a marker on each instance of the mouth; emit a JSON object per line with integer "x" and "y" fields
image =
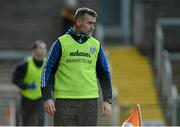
{"x": 90, "y": 31}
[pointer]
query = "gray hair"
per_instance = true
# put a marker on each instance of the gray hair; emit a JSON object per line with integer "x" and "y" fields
{"x": 80, "y": 12}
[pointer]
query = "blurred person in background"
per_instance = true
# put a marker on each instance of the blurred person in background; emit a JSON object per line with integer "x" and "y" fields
{"x": 67, "y": 14}
{"x": 75, "y": 60}
{"x": 27, "y": 77}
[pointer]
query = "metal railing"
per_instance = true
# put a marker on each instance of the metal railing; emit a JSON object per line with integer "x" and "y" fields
{"x": 169, "y": 90}
{"x": 7, "y": 113}
{"x": 13, "y": 55}
{"x": 163, "y": 66}
{"x": 159, "y": 41}
{"x": 8, "y": 104}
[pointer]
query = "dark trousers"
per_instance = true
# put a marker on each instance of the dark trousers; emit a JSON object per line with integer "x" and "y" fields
{"x": 32, "y": 112}
{"x": 75, "y": 112}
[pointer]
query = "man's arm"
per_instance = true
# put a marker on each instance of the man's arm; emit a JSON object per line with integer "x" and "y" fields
{"x": 19, "y": 75}
{"x": 104, "y": 76}
{"x": 48, "y": 75}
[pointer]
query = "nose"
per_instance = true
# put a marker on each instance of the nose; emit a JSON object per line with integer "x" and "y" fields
{"x": 92, "y": 27}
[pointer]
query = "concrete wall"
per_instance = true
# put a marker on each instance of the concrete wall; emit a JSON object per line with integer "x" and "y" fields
{"x": 24, "y": 21}
{"x": 144, "y": 18}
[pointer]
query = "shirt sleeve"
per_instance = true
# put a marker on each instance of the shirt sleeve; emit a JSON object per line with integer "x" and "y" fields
{"x": 19, "y": 75}
{"x": 104, "y": 75}
{"x": 48, "y": 75}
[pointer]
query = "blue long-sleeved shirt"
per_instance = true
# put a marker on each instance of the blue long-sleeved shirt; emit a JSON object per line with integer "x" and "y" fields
{"x": 52, "y": 63}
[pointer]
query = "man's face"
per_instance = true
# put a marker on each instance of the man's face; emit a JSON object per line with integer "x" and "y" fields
{"x": 86, "y": 24}
{"x": 40, "y": 51}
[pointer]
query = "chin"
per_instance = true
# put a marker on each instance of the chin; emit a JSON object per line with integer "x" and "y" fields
{"x": 90, "y": 34}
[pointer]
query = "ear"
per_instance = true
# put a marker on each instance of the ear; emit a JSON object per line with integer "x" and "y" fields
{"x": 78, "y": 21}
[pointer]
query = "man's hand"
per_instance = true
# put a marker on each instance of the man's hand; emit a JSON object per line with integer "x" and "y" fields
{"x": 49, "y": 107}
{"x": 32, "y": 86}
{"x": 106, "y": 108}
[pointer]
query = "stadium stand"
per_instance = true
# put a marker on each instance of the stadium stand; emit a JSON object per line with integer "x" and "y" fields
{"x": 133, "y": 77}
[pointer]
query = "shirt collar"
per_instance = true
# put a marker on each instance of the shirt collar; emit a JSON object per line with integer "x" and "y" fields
{"x": 79, "y": 37}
